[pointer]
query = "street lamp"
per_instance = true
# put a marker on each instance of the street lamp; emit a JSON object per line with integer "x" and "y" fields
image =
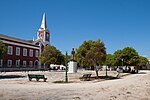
{"x": 106, "y": 71}
{"x": 66, "y": 77}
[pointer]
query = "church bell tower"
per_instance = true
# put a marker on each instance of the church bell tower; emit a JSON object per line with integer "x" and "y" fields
{"x": 43, "y": 34}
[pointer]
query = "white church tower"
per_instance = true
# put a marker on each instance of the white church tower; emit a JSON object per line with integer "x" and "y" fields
{"x": 43, "y": 34}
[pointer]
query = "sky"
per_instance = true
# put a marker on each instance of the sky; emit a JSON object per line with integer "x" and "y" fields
{"x": 118, "y": 23}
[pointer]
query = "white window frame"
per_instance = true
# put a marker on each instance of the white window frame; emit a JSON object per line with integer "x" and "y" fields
{"x": 31, "y": 63}
{"x": 1, "y": 62}
{"x": 24, "y": 52}
{"x": 36, "y": 53}
{"x": 24, "y": 63}
{"x": 10, "y": 50}
{"x": 18, "y": 51}
{"x": 17, "y": 63}
{"x": 9, "y": 63}
{"x": 31, "y": 53}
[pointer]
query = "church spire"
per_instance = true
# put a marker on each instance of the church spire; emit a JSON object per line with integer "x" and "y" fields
{"x": 43, "y": 24}
{"x": 43, "y": 33}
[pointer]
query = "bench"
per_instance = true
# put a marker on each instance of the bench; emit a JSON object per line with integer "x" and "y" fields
{"x": 86, "y": 77}
{"x": 37, "y": 77}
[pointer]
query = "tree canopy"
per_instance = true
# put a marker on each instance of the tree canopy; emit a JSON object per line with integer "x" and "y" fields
{"x": 142, "y": 61}
{"x": 110, "y": 60}
{"x": 128, "y": 56}
{"x": 91, "y": 53}
{"x": 51, "y": 55}
{"x": 3, "y": 49}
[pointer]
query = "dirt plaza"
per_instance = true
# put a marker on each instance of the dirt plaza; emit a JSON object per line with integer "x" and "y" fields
{"x": 128, "y": 87}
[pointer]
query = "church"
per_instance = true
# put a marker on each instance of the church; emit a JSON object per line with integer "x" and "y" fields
{"x": 24, "y": 54}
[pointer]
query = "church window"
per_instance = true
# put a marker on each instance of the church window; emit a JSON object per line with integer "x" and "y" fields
{"x": 47, "y": 36}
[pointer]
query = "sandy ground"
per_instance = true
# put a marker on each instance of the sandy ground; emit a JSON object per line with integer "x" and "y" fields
{"x": 130, "y": 87}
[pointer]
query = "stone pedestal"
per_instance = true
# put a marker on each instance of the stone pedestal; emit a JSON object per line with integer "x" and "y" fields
{"x": 72, "y": 67}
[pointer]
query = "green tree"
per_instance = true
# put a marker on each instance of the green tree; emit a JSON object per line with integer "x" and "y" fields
{"x": 130, "y": 56}
{"x": 126, "y": 57}
{"x": 51, "y": 55}
{"x": 118, "y": 58}
{"x": 142, "y": 61}
{"x": 91, "y": 53}
{"x": 3, "y": 49}
{"x": 110, "y": 60}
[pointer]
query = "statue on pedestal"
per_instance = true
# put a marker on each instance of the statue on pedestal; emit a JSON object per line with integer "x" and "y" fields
{"x": 72, "y": 65}
{"x": 72, "y": 54}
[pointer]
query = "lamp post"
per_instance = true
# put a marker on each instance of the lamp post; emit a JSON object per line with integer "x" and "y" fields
{"x": 66, "y": 77}
{"x": 106, "y": 71}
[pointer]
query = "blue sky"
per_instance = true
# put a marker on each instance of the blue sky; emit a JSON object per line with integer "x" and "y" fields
{"x": 118, "y": 23}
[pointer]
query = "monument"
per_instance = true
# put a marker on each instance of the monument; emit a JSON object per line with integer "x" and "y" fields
{"x": 72, "y": 65}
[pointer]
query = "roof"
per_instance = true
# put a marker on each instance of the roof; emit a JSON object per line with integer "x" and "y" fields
{"x": 2, "y": 36}
{"x": 43, "y": 24}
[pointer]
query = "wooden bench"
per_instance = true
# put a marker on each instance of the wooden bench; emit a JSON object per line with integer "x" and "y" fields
{"x": 37, "y": 77}
{"x": 86, "y": 77}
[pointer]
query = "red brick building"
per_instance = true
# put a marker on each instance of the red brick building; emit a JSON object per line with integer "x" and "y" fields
{"x": 24, "y": 54}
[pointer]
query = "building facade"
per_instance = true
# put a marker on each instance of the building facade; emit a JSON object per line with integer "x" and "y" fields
{"x": 24, "y": 54}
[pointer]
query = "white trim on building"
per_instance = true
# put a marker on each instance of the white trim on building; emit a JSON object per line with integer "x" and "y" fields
{"x": 24, "y": 63}
{"x": 31, "y": 53}
{"x": 17, "y": 51}
{"x": 10, "y": 50}
{"x": 17, "y": 63}
{"x": 36, "y": 53}
{"x": 9, "y": 63}
{"x": 24, "y": 52}
{"x": 31, "y": 63}
{"x": 19, "y": 44}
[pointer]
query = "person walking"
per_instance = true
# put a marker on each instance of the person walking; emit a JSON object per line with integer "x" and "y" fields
{"x": 118, "y": 72}
{"x": 97, "y": 69}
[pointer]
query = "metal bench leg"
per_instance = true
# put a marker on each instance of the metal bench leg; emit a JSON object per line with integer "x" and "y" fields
{"x": 30, "y": 79}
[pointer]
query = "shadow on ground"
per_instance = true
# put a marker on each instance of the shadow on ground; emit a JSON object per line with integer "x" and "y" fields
{"x": 109, "y": 77}
{"x": 141, "y": 73}
{"x": 104, "y": 77}
{"x": 11, "y": 76}
{"x": 64, "y": 82}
